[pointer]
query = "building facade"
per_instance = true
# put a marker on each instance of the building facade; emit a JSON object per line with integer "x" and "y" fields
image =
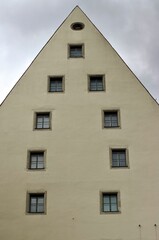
{"x": 79, "y": 139}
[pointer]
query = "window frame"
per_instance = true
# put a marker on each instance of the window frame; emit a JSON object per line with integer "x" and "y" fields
{"x": 74, "y": 45}
{"x": 49, "y": 83}
{"x": 117, "y": 193}
{"x": 117, "y": 111}
{"x": 29, "y": 152}
{"x": 103, "y": 82}
{"x": 28, "y": 202}
{"x": 36, "y": 117}
{"x": 126, "y": 157}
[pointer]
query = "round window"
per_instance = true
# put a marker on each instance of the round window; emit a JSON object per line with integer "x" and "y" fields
{"x": 77, "y": 26}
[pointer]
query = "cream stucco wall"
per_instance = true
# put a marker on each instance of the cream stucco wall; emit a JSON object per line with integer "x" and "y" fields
{"x": 77, "y": 147}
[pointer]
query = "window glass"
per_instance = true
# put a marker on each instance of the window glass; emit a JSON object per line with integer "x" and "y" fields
{"x": 96, "y": 83}
{"x": 76, "y": 51}
{"x": 111, "y": 119}
{"x": 42, "y": 120}
{"x": 56, "y": 84}
{"x": 36, "y": 203}
{"x": 36, "y": 160}
{"x": 119, "y": 158}
{"x": 110, "y": 202}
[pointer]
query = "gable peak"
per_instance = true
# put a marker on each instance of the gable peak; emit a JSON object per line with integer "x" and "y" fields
{"x": 77, "y": 8}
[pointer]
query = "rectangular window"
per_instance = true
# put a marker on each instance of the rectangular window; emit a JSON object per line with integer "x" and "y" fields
{"x": 119, "y": 158}
{"x": 96, "y": 83}
{"x": 111, "y": 119}
{"x": 56, "y": 84}
{"x": 76, "y": 51}
{"x": 36, "y": 203}
{"x": 36, "y": 160}
{"x": 110, "y": 202}
{"x": 42, "y": 121}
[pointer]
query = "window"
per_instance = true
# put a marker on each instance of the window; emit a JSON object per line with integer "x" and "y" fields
{"x": 76, "y": 51}
{"x": 119, "y": 158}
{"x": 96, "y": 83}
{"x": 77, "y": 26}
{"x": 36, "y": 203}
{"x": 110, "y": 202}
{"x": 36, "y": 160}
{"x": 56, "y": 84}
{"x": 111, "y": 119}
{"x": 42, "y": 121}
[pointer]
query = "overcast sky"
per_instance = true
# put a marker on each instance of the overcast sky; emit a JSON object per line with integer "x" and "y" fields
{"x": 131, "y": 26}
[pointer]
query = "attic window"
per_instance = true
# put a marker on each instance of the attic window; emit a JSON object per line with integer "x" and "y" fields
{"x": 96, "y": 83}
{"x": 76, "y": 51}
{"x": 77, "y": 26}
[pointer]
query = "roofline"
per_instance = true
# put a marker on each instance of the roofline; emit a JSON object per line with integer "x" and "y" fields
{"x": 77, "y": 6}
{"x": 122, "y": 60}
{"x": 38, "y": 55}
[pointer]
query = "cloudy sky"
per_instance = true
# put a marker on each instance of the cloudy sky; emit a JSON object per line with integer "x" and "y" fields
{"x": 131, "y": 26}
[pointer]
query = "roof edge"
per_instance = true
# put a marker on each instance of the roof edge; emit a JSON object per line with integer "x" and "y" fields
{"x": 34, "y": 59}
{"x": 77, "y": 6}
{"x": 122, "y": 59}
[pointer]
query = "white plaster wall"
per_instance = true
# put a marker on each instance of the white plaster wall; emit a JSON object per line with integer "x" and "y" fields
{"x": 77, "y": 158}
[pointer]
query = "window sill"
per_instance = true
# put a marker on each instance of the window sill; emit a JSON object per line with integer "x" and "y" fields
{"x": 118, "y": 127}
{"x": 36, "y": 169}
{"x": 41, "y": 129}
{"x": 97, "y": 90}
{"x": 55, "y": 91}
{"x": 112, "y": 167}
{"x": 35, "y": 214}
{"x": 70, "y": 57}
{"x": 105, "y": 213}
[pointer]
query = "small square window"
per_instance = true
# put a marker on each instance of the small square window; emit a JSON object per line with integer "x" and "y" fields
{"x": 36, "y": 160}
{"x": 36, "y": 203}
{"x": 110, "y": 202}
{"x": 76, "y": 51}
{"x": 111, "y": 119}
{"x": 119, "y": 158}
{"x": 56, "y": 84}
{"x": 42, "y": 121}
{"x": 96, "y": 83}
